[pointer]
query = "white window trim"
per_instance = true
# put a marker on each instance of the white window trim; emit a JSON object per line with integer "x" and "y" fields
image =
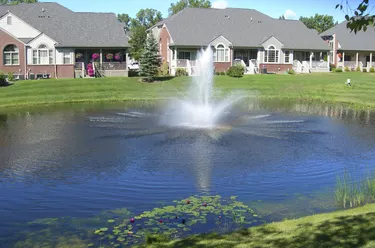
{"x": 67, "y": 55}
{"x": 11, "y": 55}
{"x": 277, "y": 51}
{"x": 47, "y": 50}
{"x": 289, "y": 62}
{"x": 226, "y": 53}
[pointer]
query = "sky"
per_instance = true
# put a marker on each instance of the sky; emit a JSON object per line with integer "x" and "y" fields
{"x": 291, "y": 9}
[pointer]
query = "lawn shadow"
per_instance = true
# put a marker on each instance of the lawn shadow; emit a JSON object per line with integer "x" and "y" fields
{"x": 340, "y": 232}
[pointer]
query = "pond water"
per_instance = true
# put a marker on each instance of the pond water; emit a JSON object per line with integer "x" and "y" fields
{"x": 282, "y": 160}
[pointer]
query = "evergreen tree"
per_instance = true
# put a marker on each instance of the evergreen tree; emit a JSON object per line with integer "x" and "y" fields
{"x": 150, "y": 60}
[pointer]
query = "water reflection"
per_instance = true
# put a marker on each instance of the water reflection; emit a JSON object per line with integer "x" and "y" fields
{"x": 201, "y": 154}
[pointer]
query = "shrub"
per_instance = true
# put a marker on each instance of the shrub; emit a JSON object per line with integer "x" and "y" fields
{"x": 338, "y": 70}
{"x": 358, "y": 68}
{"x": 223, "y": 73}
{"x": 164, "y": 69}
{"x": 3, "y": 81}
{"x": 11, "y": 77}
{"x": 236, "y": 71}
{"x": 347, "y": 68}
{"x": 372, "y": 69}
{"x": 364, "y": 70}
{"x": 181, "y": 72}
{"x": 217, "y": 73}
{"x": 332, "y": 67}
{"x": 291, "y": 72}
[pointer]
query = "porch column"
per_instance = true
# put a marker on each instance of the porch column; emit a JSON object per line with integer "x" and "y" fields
{"x": 370, "y": 60}
{"x": 311, "y": 56}
{"x": 291, "y": 57}
{"x": 175, "y": 54}
{"x": 101, "y": 56}
{"x": 126, "y": 58}
{"x": 328, "y": 60}
{"x": 356, "y": 60}
{"x": 343, "y": 59}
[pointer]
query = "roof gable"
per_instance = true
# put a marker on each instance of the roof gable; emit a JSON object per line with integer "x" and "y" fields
{"x": 72, "y": 29}
{"x": 19, "y": 28}
{"x": 220, "y": 40}
{"x": 272, "y": 41}
{"x": 11, "y": 35}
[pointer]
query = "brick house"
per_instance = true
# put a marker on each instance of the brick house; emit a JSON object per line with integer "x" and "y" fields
{"x": 349, "y": 49}
{"x": 49, "y": 40}
{"x": 244, "y": 36}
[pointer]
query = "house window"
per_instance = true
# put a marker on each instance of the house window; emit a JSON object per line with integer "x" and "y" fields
{"x": 11, "y": 55}
{"x": 42, "y": 56}
{"x": 271, "y": 55}
{"x": 66, "y": 56}
{"x": 9, "y": 20}
{"x": 222, "y": 54}
{"x": 287, "y": 57}
{"x": 183, "y": 55}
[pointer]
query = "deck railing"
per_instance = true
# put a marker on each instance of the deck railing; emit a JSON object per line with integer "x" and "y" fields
{"x": 108, "y": 66}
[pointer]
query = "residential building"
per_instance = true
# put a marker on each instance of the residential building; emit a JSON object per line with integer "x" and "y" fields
{"x": 48, "y": 40}
{"x": 349, "y": 49}
{"x": 244, "y": 36}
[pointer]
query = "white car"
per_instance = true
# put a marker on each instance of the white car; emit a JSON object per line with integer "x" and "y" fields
{"x": 133, "y": 66}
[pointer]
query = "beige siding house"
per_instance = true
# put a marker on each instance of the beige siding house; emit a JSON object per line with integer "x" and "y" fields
{"x": 349, "y": 49}
{"x": 244, "y": 36}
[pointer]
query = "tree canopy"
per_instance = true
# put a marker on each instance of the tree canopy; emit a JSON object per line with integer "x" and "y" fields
{"x": 358, "y": 18}
{"x": 2, "y": 2}
{"x": 282, "y": 17}
{"x": 145, "y": 18}
{"x": 318, "y": 22}
{"x": 126, "y": 19}
{"x": 182, "y": 4}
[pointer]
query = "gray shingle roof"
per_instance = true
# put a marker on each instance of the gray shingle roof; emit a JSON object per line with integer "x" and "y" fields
{"x": 362, "y": 41}
{"x": 243, "y": 27}
{"x": 71, "y": 29}
{"x": 25, "y": 40}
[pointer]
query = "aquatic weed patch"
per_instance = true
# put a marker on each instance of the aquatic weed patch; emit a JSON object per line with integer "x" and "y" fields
{"x": 184, "y": 217}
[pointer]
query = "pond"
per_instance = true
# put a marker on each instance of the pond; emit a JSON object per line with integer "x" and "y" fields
{"x": 281, "y": 160}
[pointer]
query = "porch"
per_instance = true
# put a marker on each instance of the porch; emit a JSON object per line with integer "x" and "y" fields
{"x": 307, "y": 61}
{"x": 100, "y": 62}
{"x": 354, "y": 60}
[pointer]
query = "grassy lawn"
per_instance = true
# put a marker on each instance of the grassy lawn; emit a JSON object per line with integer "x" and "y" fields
{"x": 349, "y": 228}
{"x": 309, "y": 87}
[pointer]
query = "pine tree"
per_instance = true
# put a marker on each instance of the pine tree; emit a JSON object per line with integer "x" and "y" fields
{"x": 150, "y": 59}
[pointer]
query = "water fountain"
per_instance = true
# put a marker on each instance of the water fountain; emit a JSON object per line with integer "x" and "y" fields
{"x": 199, "y": 109}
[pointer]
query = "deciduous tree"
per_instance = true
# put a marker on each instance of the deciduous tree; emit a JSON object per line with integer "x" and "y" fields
{"x": 318, "y": 22}
{"x": 182, "y": 4}
{"x": 126, "y": 19}
{"x": 145, "y": 19}
{"x": 359, "y": 18}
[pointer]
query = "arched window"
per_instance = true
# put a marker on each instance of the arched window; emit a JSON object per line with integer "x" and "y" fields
{"x": 11, "y": 55}
{"x": 42, "y": 55}
{"x": 271, "y": 55}
{"x": 221, "y": 53}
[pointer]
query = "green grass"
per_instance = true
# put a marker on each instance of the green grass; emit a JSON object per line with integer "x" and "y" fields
{"x": 349, "y": 228}
{"x": 325, "y": 87}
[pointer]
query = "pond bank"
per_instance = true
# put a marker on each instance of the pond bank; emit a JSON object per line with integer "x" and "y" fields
{"x": 348, "y": 228}
{"x": 326, "y": 88}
